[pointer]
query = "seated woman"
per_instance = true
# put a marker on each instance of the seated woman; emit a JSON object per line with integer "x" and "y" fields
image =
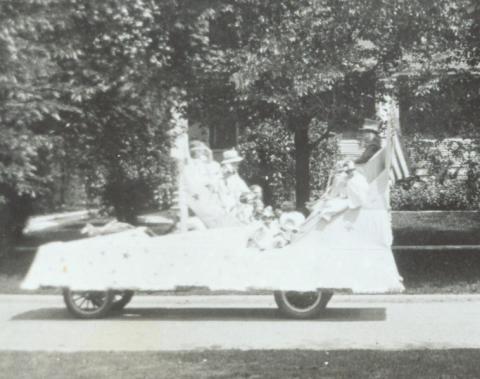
{"x": 201, "y": 180}
{"x": 202, "y": 172}
{"x": 244, "y": 212}
{"x": 215, "y": 194}
{"x": 349, "y": 190}
{"x": 232, "y": 185}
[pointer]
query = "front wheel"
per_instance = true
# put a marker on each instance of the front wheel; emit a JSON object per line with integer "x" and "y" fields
{"x": 302, "y": 305}
{"x": 88, "y": 304}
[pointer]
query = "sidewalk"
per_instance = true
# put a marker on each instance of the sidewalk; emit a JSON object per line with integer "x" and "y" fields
{"x": 39, "y": 223}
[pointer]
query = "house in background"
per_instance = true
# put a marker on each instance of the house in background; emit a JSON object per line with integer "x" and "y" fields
{"x": 221, "y": 138}
{"x": 349, "y": 145}
{"x": 218, "y": 137}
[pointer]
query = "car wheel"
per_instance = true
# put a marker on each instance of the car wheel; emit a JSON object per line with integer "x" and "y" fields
{"x": 88, "y": 304}
{"x": 302, "y": 305}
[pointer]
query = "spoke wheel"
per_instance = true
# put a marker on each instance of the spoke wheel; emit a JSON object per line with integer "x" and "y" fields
{"x": 88, "y": 304}
{"x": 302, "y": 305}
{"x": 121, "y": 299}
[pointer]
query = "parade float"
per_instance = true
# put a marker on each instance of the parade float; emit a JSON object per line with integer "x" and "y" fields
{"x": 351, "y": 252}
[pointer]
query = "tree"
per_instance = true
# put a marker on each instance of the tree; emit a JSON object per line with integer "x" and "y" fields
{"x": 297, "y": 61}
{"x": 30, "y": 102}
{"x": 122, "y": 81}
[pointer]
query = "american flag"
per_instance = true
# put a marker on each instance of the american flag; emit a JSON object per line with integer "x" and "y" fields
{"x": 399, "y": 166}
{"x": 389, "y": 111}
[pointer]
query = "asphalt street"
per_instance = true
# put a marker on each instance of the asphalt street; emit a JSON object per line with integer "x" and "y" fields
{"x": 41, "y": 322}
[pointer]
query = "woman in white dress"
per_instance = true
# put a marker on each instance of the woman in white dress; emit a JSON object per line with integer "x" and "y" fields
{"x": 202, "y": 172}
{"x": 202, "y": 180}
{"x": 235, "y": 195}
{"x": 349, "y": 190}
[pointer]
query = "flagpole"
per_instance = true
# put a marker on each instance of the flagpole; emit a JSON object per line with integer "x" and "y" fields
{"x": 181, "y": 153}
{"x": 182, "y": 199}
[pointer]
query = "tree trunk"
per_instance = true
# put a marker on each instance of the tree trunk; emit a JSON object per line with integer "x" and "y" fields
{"x": 302, "y": 163}
{"x": 14, "y": 214}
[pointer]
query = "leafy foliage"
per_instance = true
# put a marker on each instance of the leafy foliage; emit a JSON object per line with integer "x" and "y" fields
{"x": 269, "y": 152}
{"x": 296, "y": 61}
{"x": 453, "y": 180}
{"x": 445, "y": 106}
{"x": 30, "y": 103}
{"x": 122, "y": 84}
{"x": 269, "y": 161}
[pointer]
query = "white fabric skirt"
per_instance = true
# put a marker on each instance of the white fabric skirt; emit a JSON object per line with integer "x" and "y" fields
{"x": 352, "y": 252}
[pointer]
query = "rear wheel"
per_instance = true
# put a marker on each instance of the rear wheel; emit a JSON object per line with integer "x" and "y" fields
{"x": 302, "y": 305}
{"x": 88, "y": 304}
{"x": 121, "y": 299}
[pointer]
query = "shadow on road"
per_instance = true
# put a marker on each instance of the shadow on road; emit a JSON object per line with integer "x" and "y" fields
{"x": 207, "y": 314}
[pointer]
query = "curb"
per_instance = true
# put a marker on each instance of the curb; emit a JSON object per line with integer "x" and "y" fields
{"x": 239, "y": 300}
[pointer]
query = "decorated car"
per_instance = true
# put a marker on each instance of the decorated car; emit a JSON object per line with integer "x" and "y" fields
{"x": 347, "y": 249}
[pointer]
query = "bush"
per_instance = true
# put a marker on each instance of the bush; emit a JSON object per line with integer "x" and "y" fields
{"x": 431, "y": 196}
{"x": 453, "y": 166}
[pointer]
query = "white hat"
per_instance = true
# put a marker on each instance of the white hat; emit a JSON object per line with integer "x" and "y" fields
{"x": 200, "y": 146}
{"x": 348, "y": 166}
{"x": 231, "y": 156}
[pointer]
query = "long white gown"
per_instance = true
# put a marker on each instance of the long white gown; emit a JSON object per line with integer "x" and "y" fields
{"x": 202, "y": 181}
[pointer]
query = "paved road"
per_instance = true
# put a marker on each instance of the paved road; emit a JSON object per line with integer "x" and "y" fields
{"x": 243, "y": 322}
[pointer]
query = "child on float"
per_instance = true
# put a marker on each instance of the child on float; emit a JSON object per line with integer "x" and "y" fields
{"x": 290, "y": 220}
{"x": 268, "y": 235}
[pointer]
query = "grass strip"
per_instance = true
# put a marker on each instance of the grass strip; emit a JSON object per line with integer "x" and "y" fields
{"x": 281, "y": 364}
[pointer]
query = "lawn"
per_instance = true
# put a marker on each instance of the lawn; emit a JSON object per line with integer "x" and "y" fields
{"x": 436, "y": 228}
{"x": 242, "y": 364}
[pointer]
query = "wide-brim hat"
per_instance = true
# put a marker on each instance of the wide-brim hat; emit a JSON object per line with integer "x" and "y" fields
{"x": 349, "y": 166}
{"x": 370, "y": 125}
{"x": 200, "y": 146}
{"x": 231, "y": 156}
{"x": 196, "y": 144}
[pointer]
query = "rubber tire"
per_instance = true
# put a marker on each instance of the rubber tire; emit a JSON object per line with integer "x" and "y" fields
{"x": 287, "y": 310}
{"x": 118, "y": 305}
{"x": 100, "y": 313}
